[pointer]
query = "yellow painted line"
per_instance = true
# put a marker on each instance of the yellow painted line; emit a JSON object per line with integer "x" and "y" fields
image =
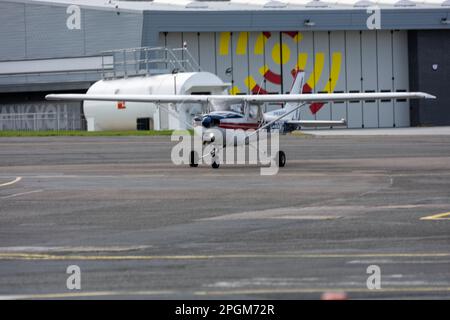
{"x": 440, "y": 216}
{"x": 302, "y": 60}
{"x": 11, "y": 182}
{"x": 320, "y": 290}
{"x": 241, "y": 48}
{"x": 281, "y": 54}
{"x": 260, "y": 43}
{"x": 224, "y": 43}
{"x": 263, "y": 69}
{"x": 65, "y": 295}
{"x": 235, "y": 90}
{"x": 59, "y": 257}
{"x": 250, "y": 82}
{"x": 317, "y": 72}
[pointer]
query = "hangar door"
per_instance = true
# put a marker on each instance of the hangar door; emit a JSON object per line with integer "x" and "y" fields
{"x": 335, "y": 61}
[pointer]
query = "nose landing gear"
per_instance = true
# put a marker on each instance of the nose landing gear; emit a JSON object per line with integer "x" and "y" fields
{"x": 215, "y": 159}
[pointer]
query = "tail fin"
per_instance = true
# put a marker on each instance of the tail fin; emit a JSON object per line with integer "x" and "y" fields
{"x": 297, "y": 88}
{"x": 316, "y": 106}
{"x": 299, "y": 81}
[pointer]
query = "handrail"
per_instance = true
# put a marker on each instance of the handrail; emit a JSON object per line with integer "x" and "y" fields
{"x": 147, "y": 61}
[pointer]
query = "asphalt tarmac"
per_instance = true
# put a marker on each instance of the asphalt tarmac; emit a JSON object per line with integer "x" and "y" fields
{"x": 140, "y": 227}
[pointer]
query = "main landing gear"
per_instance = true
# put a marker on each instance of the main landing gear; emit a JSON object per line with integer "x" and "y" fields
{"x": 281, "y": 159}
{"x": 193, "y": 159}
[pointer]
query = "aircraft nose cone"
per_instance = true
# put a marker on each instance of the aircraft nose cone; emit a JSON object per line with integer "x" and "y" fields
{"x": 206, "y": 122}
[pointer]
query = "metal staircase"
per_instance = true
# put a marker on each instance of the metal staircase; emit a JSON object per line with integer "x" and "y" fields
{"x": 146, "y": 61}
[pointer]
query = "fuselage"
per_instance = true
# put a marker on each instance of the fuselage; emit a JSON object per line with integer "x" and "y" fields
{"x": 230, "y": 128}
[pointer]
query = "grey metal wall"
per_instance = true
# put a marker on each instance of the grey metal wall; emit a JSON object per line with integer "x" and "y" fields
{"x": 336, "y": 61}
{"x": 33, "y": 31}
{"x": 430, "y": 72}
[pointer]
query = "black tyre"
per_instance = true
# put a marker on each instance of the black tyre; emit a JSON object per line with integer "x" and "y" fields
{"x": 281, "y": 159}
{"x": 193, "y": 160}
{"x": 215, "y": 165}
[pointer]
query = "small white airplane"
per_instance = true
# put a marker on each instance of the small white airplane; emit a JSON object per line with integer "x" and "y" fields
{"x": 244, "y": 117}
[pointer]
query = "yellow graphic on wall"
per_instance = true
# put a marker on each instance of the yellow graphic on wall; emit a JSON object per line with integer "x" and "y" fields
{"x": 281, "y": 54}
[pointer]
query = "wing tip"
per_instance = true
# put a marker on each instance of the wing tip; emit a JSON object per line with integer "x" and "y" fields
{"x": 425, "y": 95}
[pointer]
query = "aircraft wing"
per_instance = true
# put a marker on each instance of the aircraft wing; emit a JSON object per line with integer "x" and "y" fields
{"x": 300, "y": 98}
{"x": 153, "y": 98}
{"x": 318, "y": 123}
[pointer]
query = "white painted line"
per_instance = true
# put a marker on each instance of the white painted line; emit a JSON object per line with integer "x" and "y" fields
{"x": 11, "y": 182}
{"x": 42, "y": 249}
{"x": 21, "y": 194}
{"x": 67, "y": 295}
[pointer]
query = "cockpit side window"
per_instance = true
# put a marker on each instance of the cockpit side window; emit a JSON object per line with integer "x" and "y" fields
{"x": 255, "y": 112}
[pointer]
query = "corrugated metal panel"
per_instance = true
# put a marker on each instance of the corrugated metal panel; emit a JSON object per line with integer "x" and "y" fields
{"x": 354, "y": 74}
{"x": 240, "y": 60}
{"x": 289, "y": 41}
{"x": 107, "y": 30}
{"x": 12, "y": 31}
{"x": 306, "y": 61}
{"x": 370, "y": 77}
{"x": 322, "y": 56}
{"x": 191, "y": 40}
{"x": 338, "y": 73}
{"x": 272, "y": 57}
{"x": 223, "y": 53}
{"x": 385, "y": 82}
{"x": 207, "y": 52}
{"x": 48, "y": 35}
{"x": 401, "y": 77}
{"x": 255, "y": 82}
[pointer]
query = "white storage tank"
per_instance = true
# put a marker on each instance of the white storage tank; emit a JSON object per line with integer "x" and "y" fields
{"x": 107, "y": 115}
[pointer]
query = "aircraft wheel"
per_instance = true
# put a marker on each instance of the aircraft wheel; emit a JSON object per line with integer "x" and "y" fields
{"x": 215, "y": 165}
{"x": 281, "y": 159}
{"x": 193, "y": 160}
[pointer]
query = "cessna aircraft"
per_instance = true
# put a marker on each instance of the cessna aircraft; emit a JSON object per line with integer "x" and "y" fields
{"x": 244, "y": 117}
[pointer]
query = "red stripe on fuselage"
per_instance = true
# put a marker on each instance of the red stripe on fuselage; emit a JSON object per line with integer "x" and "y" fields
{"x": 237, "y": 125}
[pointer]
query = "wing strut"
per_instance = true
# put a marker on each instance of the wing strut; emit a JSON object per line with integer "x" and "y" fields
{"x": 275, "y": 120}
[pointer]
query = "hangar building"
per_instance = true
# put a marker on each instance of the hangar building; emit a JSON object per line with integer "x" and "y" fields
{"x": 343, "y": 46}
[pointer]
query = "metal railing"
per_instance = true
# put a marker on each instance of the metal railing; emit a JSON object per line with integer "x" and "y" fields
{"x": 41, "y": 121}
{"x": 147, "y": 61}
